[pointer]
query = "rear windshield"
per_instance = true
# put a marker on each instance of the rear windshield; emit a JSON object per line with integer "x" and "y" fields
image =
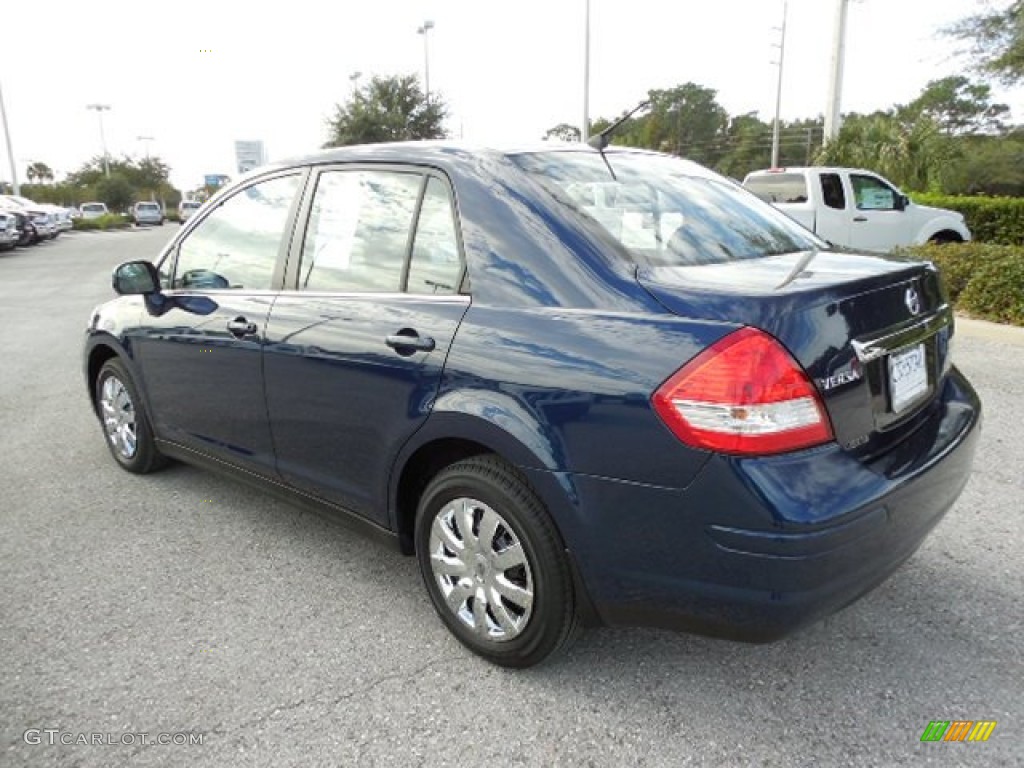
{"x": 149, "y": 207}
{"x": 190, "y": 204}
{"x": 665, "y": 211}
{"x": 93, "y": 207}
{"x": 778, "y": 187}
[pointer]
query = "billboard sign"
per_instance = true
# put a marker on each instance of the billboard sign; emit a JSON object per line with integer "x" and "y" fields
{"x": 249, "y": 155}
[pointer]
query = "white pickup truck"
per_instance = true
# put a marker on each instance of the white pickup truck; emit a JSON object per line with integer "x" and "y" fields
{"x": 855, "y": 208}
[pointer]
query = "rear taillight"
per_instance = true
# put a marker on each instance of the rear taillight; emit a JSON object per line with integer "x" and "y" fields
{"x": 746, "y": 395}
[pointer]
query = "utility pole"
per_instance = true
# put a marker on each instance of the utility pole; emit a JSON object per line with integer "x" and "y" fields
{"x": 833, "y": 115}
{"x": 10, "y": 151}
{"x": 778, "y": 90}
{"x": 354, "y": 79}
{"x": 100, "y": 109}
{"x": 585, "y": 130}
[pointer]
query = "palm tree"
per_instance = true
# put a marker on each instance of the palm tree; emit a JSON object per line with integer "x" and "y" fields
{"x": 39, "y": 172}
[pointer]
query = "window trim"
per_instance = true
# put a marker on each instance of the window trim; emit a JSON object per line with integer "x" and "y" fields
{"x": 281, "y": 262}
{"x": 305, "y": 212}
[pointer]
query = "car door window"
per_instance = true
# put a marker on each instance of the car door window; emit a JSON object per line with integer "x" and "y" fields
{"x": 435, "y": 266}
{"x": 872, "y": 194}
{"x": 237, "y": 245}
{"x": 832, "y": 191}
{"x": 358, "y": 234}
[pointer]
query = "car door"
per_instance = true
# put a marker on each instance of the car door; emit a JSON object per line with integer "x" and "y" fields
{"x": 200, "y": 352}
{"x": 356, "y": 347}
{"x": 878, "y": 223}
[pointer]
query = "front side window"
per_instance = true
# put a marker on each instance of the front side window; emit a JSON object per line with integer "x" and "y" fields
{"x": 435, "y": 267}
{"x": 664, "y": 211}
{"x": 237, "y": 245}
{"x": 358, "y": 233}
{"x": 872, "y": 194}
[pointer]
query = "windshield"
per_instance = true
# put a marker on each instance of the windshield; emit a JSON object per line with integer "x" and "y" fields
{"x": 93, "y": 207}
{"x": 666, "y": 211}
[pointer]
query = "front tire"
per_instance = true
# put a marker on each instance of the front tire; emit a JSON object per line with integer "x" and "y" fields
{"x": 125, "y": 421}
{"x": 494, "y": 565}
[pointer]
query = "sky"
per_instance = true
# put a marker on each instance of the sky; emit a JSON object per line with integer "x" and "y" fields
{"x": 196, "y": 76}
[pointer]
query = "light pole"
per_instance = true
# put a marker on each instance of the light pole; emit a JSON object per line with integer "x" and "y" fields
{"x": 778, "y": 91}
{"x": 585, "y": 131}
{"x": 10, "y": 152}
{"x": 425, "y": 31}
{"x": 354, "y": 79}
{"x": 100, "y": 109}
{"x": 835, "y": 86}
{"x": 145, "y": 139}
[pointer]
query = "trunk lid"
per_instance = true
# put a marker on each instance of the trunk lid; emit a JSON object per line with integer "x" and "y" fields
{"x": 872, "y": 332}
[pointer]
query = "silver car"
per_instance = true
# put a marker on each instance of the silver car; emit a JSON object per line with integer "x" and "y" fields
{"x": 148, "y": 213}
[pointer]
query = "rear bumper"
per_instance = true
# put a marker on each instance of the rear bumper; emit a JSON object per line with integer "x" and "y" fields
{"x": 754, "y": 548}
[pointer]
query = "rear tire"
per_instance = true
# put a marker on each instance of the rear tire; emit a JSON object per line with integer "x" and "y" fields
{"x": 125, "y": 422}
{"x": 494, "y": 565}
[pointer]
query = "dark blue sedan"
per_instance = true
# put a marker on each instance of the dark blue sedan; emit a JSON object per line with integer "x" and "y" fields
{"x": 580, "y": 387}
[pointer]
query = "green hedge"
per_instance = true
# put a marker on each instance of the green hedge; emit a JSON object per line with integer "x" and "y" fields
{"x": 106, "y": 221}
{"x": 984, "y": 281}
{"x": 998, "y": 220}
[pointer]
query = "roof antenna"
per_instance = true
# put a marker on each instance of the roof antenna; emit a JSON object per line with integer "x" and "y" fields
{"x": 601, "y": 140}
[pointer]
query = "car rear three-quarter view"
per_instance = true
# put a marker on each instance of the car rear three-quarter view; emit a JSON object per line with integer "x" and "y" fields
{"x": 579, "y": 386}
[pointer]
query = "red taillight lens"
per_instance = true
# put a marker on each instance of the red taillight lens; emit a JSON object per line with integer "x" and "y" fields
{"x": 745, "y": 394}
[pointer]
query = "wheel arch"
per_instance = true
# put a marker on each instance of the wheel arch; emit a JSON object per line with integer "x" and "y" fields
{"x": 448, "y": 437}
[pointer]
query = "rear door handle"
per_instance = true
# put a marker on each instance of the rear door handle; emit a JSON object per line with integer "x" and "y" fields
{"x": 240, "y": 327}
{"x": 407, "y": 341}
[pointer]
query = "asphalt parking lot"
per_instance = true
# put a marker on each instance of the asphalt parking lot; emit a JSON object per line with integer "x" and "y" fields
{"x": 182, "y": 602}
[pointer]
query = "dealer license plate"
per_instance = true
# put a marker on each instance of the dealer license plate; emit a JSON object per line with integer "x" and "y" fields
{"x": 908, "y": 376}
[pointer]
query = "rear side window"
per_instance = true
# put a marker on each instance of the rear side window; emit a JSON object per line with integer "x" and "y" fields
{"x": 435, "y": 267}
{"x": 779, "y": 187}
{"x": 832, "y": 191}
{"x": 358, "y": 232}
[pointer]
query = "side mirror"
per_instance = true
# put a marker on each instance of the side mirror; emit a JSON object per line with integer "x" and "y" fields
{"x": 902, "y": 201}
{"x": 134, "y": 278}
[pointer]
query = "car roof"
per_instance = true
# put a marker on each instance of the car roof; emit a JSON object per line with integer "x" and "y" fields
{"x": 440, "y": 151}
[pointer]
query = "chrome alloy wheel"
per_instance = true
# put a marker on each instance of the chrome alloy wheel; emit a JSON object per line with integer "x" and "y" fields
{"x": 119, "y": 417}
{"x": 482, "y": 570}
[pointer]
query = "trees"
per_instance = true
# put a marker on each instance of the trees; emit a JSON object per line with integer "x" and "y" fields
{"x": 39, "y": 172}
{"x": 563, "y": 132}
{"x": 997, "y": 41}
{"x": 959, "y": 106}
{"x": 387, "y": 109}
{"x": 116, "y": 191}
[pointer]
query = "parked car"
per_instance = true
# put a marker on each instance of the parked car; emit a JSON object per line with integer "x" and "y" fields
{"x": 186, "y": 208}
{"x": 93, "y": 210}
{"x": 147, "y": 213}
{"x": 9, "y": 232}
{"x": 855, "y": 208}
{"x": 27, "y": 234}
{"x": 43, "y": 222}
{"x": 656, "y": 401}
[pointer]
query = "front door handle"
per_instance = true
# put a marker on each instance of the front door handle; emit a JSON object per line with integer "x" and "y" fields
{"x": 407, "y": 341}
{"x": 240, "y": 327}
{"x": 860, "y": 218}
